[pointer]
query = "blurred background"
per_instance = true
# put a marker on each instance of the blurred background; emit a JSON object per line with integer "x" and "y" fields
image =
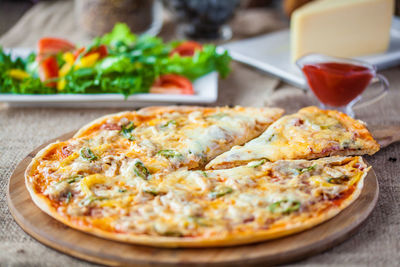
{"x": 204, "y": 19}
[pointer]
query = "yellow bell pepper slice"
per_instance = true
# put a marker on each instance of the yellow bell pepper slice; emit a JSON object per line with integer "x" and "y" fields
{"x": 64, "y": 69}
{"x": 18, "y": 74}
{"x": 69, "y": 62}
{"x": 87, "y": 182}
{"x": 61, "y": 84}
{"x": 88, "y": 61}
{"x": 69, "y": 58}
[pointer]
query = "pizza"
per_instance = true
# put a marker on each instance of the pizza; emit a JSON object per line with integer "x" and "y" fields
{"x": 311, "y": 133}
{"x": 140, "y": 177}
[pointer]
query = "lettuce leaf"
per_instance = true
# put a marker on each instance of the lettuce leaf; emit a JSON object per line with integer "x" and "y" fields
{"x": 203, "y": 62}
{"x": 120, "y": 33}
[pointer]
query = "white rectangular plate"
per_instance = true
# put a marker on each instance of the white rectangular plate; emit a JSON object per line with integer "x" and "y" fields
{"x": 271, "y": 53}
{"x": 206, "y": 91}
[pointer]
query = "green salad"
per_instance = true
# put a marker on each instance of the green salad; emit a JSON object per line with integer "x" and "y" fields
{"x": 118, "y": 62}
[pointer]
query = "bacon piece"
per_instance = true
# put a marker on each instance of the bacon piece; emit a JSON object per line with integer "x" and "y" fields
{"x": 66, "y": 151}
{"x": 298, "y": 122}
{"x": 359, "y": 166}
{"x": 250, "y": 219}
{"x": 110, "y": 126}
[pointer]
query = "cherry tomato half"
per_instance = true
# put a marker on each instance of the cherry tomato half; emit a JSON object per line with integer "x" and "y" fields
{"x": 101, "y": 49}
{"x": 52, "y": 46}
{"x": 48, "y": 69}
{"x": 186, "y": 49}
{"x": 172, "y": 84}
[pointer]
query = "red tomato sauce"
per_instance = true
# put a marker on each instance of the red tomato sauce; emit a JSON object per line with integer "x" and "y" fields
{"x": 337, "y": 84}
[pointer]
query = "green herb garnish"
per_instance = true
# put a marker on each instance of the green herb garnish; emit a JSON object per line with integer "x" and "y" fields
{"x": 272, "y": 137}
{"x": 200, "y": 220}
{"x": 172, "y": 233}
{"x": 345, "y": 144}
{"x": 204, "y": 173}
{"x": 126, "y": 131}
{"x": 87, "y": 154}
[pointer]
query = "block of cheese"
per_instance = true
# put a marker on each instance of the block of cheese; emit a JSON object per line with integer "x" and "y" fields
{"x": 342, "y": 28}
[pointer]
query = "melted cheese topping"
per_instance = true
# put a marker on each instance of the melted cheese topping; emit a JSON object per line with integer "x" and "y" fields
{"x": 310, "y": 133}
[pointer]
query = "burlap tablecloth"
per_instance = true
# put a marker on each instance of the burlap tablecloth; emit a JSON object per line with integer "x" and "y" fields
{"x": 377, "y": 243}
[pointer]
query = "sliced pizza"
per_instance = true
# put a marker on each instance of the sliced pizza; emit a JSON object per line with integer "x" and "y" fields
{"x": 195, "y": 208}
{"x": 311, "y": 133}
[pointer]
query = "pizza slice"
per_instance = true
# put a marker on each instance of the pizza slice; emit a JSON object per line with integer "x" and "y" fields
{"x": 311, "y": 133}
{"x": 160, "y": 139}
{"x": 195, "y": 208}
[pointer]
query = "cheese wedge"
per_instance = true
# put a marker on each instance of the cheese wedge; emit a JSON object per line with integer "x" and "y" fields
{"x": 342, "y": 28}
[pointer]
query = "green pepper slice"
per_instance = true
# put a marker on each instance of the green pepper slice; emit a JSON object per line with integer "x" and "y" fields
{"x": 256, "y": 164}
{"x": 218, "y": 115}
{"x": 339, "y": 180}
{"x": 168, "y": 153}
{"x": 151, "y": 191}
{"x": 68, "y": 197}
{"x": 220, "y": 192}
{"x": 204, "y": 173}
{"x": 168, "y": 123}
{"x": 141, "y": 171}
{"x": 285, "y": 206}
{"x": 307, "y": 169}
{"x": 74, "y": 179}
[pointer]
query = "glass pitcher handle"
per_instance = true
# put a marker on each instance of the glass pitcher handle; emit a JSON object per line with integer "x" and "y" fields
{"x": 378, "y": 96}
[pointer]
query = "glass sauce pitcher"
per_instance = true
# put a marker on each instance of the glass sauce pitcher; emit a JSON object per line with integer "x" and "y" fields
{"x": 338, "y": 83}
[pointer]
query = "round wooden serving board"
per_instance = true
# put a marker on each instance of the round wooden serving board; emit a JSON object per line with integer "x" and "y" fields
{"x": 85, "y": 246}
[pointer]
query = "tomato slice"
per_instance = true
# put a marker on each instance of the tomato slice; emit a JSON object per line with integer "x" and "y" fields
{"x": 79, "y": 51}
{"x": 101, "y": 49}
{"x": 172, "y": 84}
{"x": 48, "y": 69}
{"x": 186, "y": 49}
{"x": 52, "y": 46}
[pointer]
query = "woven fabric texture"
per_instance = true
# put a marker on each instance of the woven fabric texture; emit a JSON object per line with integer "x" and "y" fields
{"x": 377, "y": 242}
